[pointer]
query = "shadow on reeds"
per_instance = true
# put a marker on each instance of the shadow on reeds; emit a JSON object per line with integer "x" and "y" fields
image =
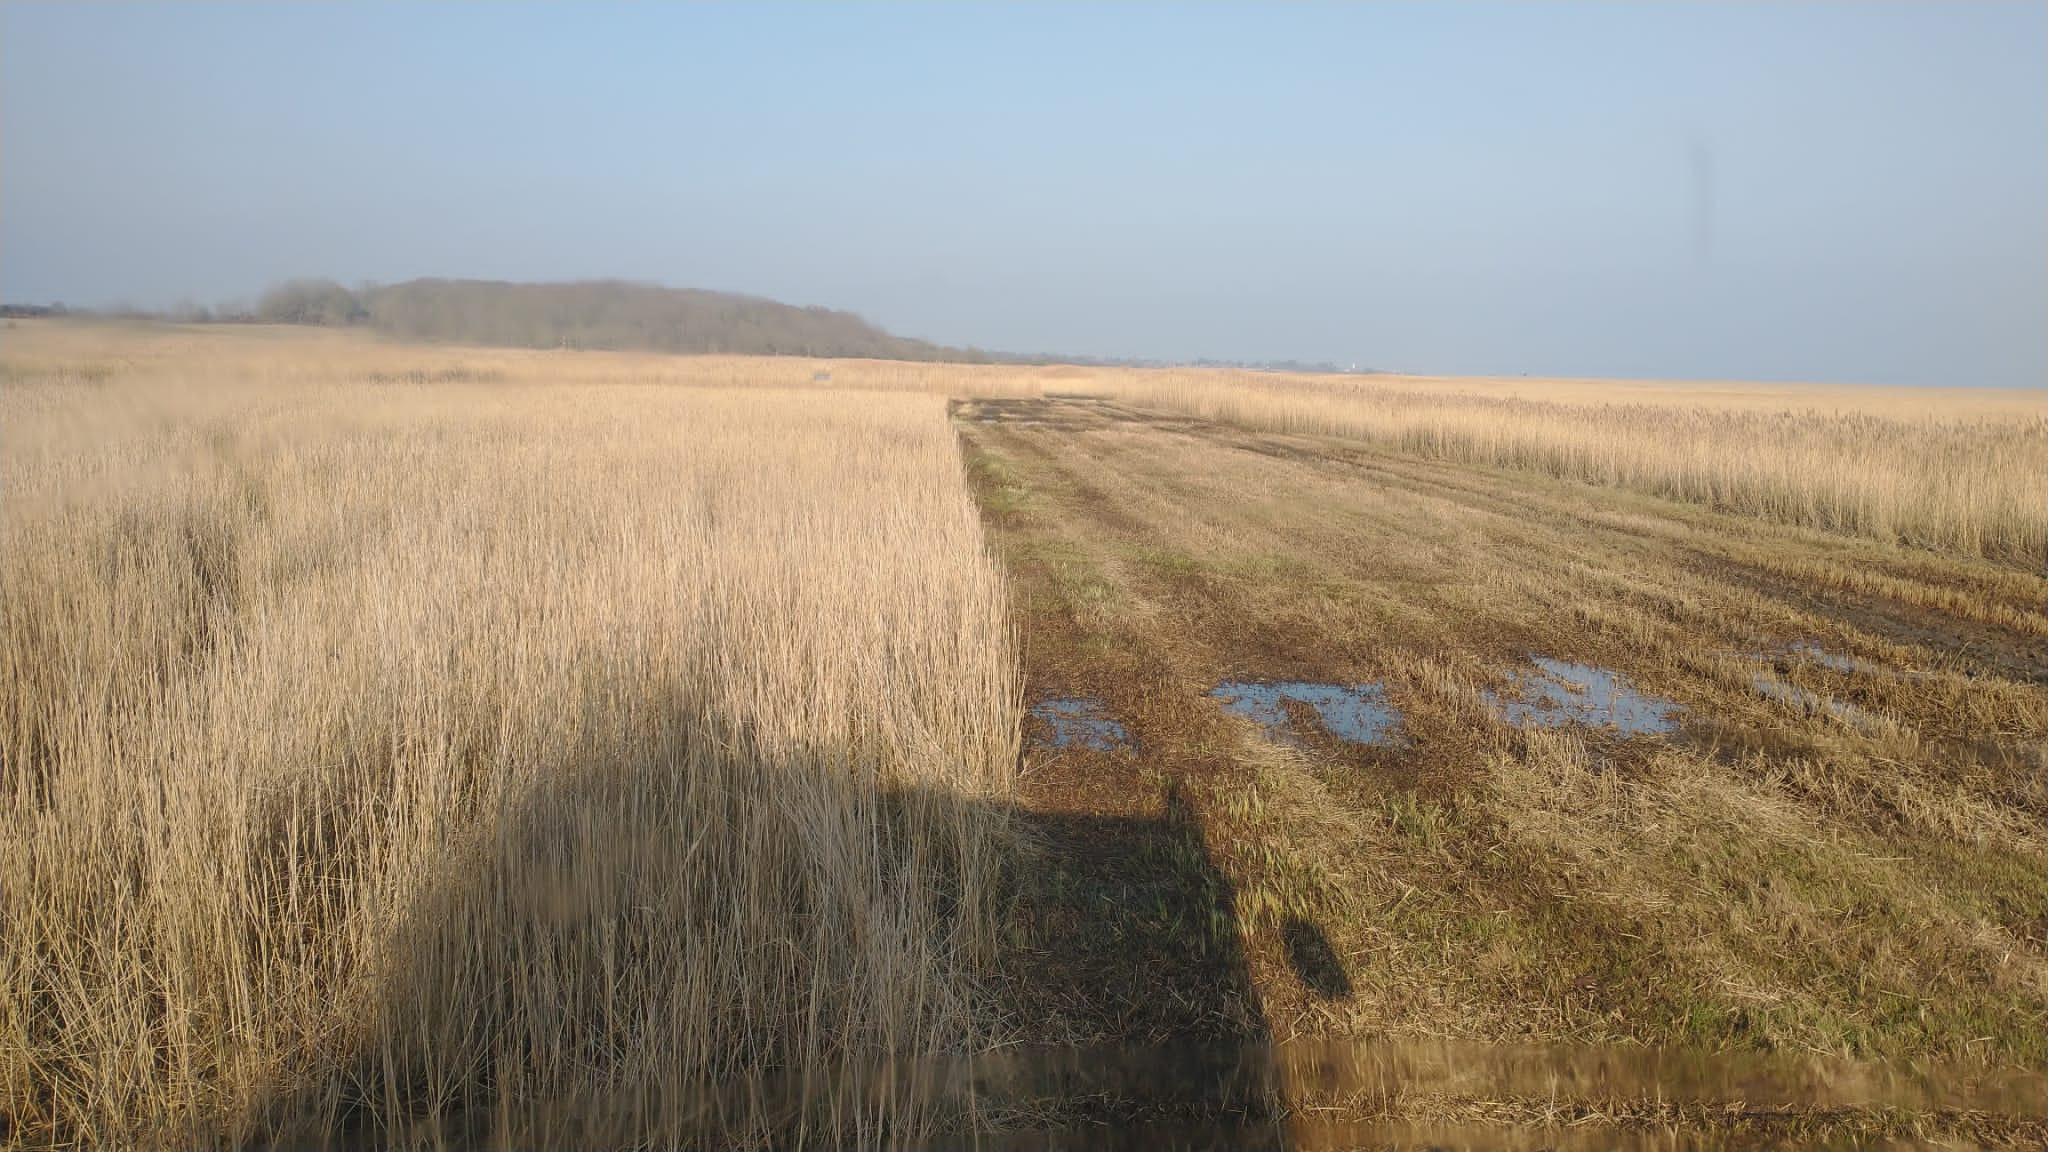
{"x": 684, "y": 942}
{"x": 1119, "y": 938}
{"x": 532, "y": 993}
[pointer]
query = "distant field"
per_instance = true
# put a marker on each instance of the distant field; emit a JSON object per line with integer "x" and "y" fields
{"x": 1948, "y": 469}
{"x": 443, "y": 746}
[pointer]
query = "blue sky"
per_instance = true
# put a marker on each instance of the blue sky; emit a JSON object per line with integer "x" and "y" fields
{"x": 1852, "y": 192}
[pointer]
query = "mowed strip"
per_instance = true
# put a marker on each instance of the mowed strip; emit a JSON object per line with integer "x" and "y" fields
{"x": 1836, "y": 847}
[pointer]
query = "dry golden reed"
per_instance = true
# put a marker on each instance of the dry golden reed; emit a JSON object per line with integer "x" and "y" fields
{"x": 473, "y": 761}
{"x": 470, "y": 746}
{"x": 1955, "y": 470}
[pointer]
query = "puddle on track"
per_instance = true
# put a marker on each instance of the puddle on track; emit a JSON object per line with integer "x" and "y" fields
{"x": 1810, "y": 703}
{"x": 1567, "y": 693}
{"x": 1810, "y": 652}
{"x": 1852, "y": 665}
{"x": 1079, "y": 722}
{"x": 1360, "y": 714}
{"x": 1769, "y": 683}
{"x": 1815, "y": 654}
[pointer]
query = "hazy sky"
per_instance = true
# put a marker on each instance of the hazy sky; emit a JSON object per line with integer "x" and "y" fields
{"x": 1781, "y": 191}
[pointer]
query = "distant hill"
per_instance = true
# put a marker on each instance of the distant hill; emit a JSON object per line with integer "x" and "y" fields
{"x": 613, "y": 314}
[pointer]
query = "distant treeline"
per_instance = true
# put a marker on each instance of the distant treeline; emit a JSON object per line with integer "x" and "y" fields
{"x": 605, "y": 314}
{"x": 612, "y": 314}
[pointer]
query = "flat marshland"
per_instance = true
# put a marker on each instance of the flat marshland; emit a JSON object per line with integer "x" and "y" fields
{"x": 452, "y": 746}
{"x": 405, "y": 753}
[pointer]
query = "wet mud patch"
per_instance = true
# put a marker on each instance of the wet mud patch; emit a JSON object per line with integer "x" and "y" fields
{"x": 1562, "y": 693}
{"x": 1078, "y": 722}
{"x": 1358, "y": 714}
{"x": 1834, "y": 661}
{"x": 1771, "y": 681}
{"x": 1853, "y": 665}
{"x": 1808, "y": 703}
{"x": 1053, "y": 410}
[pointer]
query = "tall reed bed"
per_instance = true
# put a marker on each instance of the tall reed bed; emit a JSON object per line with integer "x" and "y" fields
{"x": 433, "y": 760}
{"x": 1964, "y": 472}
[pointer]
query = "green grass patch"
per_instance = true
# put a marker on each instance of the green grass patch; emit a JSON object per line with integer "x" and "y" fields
{"x": 998, "y": 486}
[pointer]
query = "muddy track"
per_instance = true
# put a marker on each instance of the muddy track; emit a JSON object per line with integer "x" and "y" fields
{"x": 1220, "y": 878}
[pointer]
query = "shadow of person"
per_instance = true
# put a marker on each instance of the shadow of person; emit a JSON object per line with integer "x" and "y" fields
{"x": 667, "y": 936}
{"x": 691, "y": 941}
{"x": 1124, "y": 960}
